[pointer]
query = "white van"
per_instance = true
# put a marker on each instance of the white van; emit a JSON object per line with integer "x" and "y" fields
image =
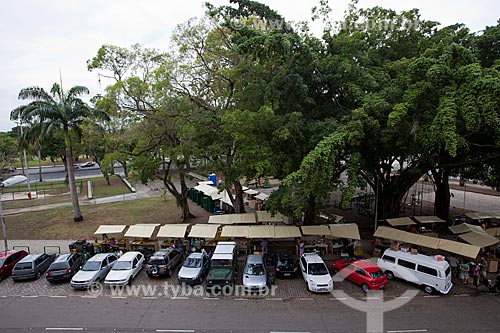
{"x": 426, "y": 271}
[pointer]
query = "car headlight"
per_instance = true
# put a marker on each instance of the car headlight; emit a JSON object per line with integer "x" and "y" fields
{"x": 312, "y": 283}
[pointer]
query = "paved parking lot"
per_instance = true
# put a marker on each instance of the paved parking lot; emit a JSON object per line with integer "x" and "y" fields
{"x": 143, "y": 286}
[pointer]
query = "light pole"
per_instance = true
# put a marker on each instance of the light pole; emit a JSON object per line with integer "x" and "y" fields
{"x": 376, "y": 205}
{"x": 3, "y": 224}
{"x": 26, "y": 162}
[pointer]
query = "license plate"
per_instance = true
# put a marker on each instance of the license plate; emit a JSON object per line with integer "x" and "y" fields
{"x": 57, "y": 273}
{"x": 286, "y": 274}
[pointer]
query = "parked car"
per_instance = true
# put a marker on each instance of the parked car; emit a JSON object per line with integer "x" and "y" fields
{"x": 286, "y": 265}
{"x": 255, "y": 274}
{"x": 362, "y": 272}
{"x": 87, "y": 164}
{"x": 163, "y": 263}
{"x": 9, "y": 168}
{"x": 94, "y": 270}
{"x": 125, "y": 269}
{"x": 64, "y": 267}
{"x": 32, "y": 266}
{"x": 193, "y": 269}
{"x": 8, "y": 259}
{"x": 223, "y": 266}
{"x": 315, "y": 273}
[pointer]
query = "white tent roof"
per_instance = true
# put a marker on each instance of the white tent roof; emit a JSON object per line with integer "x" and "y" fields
{"x": 251, "y": 192}
{"x": 284, "y": 231}
{"x": 315, "y": 230}
{"x": 261, "y": 231}
{"x": 466, "y": 250}
{"x": 482, "y": 239}
{"x": 493, "y": 231}
{"x": 247, "y": 218}
{"x": 346, "y": 230}
{"x": 265, "y": 217}
{"x": 204, "y": 230}
{"x": 464, "y": 228}
{"x": 109, "y": 229}
{"x": 173, "y": 230}
{"x": 141, "y": 230}
{"x": 235, "y": 231}
{"x": 226, "y": 199}
{"x": 206, "y": 189}
{"x": 262, "y": 196}
{"x": 483, "y": 215}
{"x": 400, "y": 221}
{"x": 428, "y": 219}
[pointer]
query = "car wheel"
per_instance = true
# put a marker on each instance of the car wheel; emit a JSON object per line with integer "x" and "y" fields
{"x": 429, "y": 289}
{"x": 307, "y": 287}
{"x": 38, "y": 274}
{"x": 129, "y": 282}
{"x": 365, "y": 288}
{"x": 389, "y": 275}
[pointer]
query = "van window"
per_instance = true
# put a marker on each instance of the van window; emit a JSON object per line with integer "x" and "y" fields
{"x": 406, "y": 264}
{"x": 389, "y": 259}
{"x": 427, "y": 270}
{"x": 448, "y": 271}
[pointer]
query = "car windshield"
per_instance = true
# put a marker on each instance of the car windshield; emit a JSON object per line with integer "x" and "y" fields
{"x": 92, "y": 266}
{"x": 377, "y": 274}
{"x": 254, "y": 269}
{"x": 58, "y": 266}
{"x": 122, "y": 265}
{"x": 1, "y": 262}
{"x": 317, "y": 269}
{"x": 23, "y": 265}
{"x": 192, "y": 263}
{"x": 221, "y": 262}
{"x": 285, "y": 261}
{"x": 156, "y": 261}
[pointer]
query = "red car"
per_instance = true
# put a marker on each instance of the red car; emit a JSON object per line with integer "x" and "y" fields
{"x": 8, "y": 259}
{"x": 362, "y": 272}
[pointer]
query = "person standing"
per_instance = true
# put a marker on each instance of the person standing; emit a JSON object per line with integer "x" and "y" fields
{"x": 464, "y": 271}
{"x": 454, "y": 265}
{"x": 301, "y": 248}
{"x": 264, "y": 246}
{"x": 476, "y": 272}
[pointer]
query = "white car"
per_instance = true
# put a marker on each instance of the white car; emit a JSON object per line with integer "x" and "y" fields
{"x": 94, "y": 270}
{"x": 125, "y": 269}
{"x": 315, "y": 273}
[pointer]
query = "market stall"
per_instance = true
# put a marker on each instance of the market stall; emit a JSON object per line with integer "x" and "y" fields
{"x": 205, "y": 234}
{"x": 173, "y": 233}
{"x": 400, "y": 222}
{"x": 110, "y": 229}
{"x": 247, "y": 218}
{"x": 142, "y": 242}
{"x": 264, "y": 217}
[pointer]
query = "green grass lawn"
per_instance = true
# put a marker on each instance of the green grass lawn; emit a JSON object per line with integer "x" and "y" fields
{"x": 102, "y": 189}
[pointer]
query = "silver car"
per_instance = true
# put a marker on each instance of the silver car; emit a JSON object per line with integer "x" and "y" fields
{"x": 94, "y": 270}
{"x": 193, "y": 269}
{"x": 254, "y": 274}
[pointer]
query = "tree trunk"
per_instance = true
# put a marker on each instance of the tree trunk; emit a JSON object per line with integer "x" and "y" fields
{"x": 182, "y": 196}
{"x": 442, "y": 198}
{"x": 40, "y": 164}
{"x": 77, "y": 214}
{"x": 239, "y": 206}
{"x": 310, "y": 213}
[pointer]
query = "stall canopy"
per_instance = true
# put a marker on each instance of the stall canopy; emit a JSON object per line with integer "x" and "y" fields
{"x": 251, "y": 192}
{"x": 266, "y": 217}
{"x": 464, "y": 228}
{"x": 235, "y": 231}
{"x": 493, "y": 231}
{"x": 428, "y": 219}
{"x": 470, "y": 251}
{"x": 483, "y": 215}
{"x": 248, "y": 218}
{"x": 141, "y": 230}
{"x": 173, "y": 231}
{"x": 262, "y": 196}
{"x": 481, "y": 239}
{"x": 400, "y": 221}
{"x": 204, "y": 231}
{"x": 226, "y": 198}
{"x": 315, "y": 230}
{"x": 347, "y": 230}
{"x": 283, "y": 231}
{"x": 261, "y": 231}
{"x": 109, "y": 229}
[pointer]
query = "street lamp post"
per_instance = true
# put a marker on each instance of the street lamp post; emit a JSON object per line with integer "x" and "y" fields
{"x": 3, "y": 225}
{"x": 26, "y": 163}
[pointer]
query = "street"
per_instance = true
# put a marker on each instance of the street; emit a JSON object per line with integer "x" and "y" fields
{"x": 104, "y": 314}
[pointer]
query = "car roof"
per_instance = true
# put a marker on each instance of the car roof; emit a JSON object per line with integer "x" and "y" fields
{"x": 8, "y": 253}
{"x": 128, "y": 256}
{"x": 100, "y": 256}
{"x": 63, "y": 257}
{"x": 31, "y": 257}
{"x": 366, "y": 265}
{"x": 255, "y": 259}
{"x": 417, "y": 258}
{"x": 313, "y": 258}
{"x": 195, "y": 255}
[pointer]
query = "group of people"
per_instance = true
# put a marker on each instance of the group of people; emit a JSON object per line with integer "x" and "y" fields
{"x": 467, "y": 269}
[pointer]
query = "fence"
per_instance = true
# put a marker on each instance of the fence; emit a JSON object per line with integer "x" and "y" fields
{"x": 41, "y": 188}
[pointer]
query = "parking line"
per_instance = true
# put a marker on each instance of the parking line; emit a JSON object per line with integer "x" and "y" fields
{"x": 407, "y": 331}
{"x": 210, "y": 298}
{"x": 64, "y": 328}
{"x": 149, "y": 297}
{"x": 431, "y": 296}
{"x": 55, "y": 296}
{"x": 176, "y": 331}
{"x": 305, "y": 299}
{"x": 180, "y": 297}
{"x": 462, "y": 295}
{"x": 338, "y": 298}
{"x": 369, "y": 298}
{"x": 402, "y": 297}
{"x": 118, "y": 297}
{"x": 30, "y": 296}
{"x": 274, "y": 299}
{"x": 236, "y": 299}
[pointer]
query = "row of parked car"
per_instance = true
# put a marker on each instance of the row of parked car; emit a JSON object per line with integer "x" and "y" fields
{"x": 220, "y": 269}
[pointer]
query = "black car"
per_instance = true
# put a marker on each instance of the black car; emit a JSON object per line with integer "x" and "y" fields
{"x": 286, "y": 265}
{"x": 64, "y": 267}
{"x": 31, "y": 267}
{"x": 163, "y": 262}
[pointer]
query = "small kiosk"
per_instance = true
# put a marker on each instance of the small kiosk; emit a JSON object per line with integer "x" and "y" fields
{"x": 142, "y": 242}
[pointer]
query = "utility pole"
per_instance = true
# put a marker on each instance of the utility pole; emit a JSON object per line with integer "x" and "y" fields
{"x": 26, "y": 163}
{"x": 3, "y": 225}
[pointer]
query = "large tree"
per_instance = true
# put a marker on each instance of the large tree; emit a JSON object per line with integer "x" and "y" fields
{"x": 58, "y": 110}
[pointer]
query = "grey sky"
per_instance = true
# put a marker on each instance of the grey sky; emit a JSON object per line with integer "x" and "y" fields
{"x": 39, "y": 38}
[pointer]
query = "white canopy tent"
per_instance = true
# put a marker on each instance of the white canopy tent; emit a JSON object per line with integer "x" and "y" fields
{"x": 110, "y": 229}
{"x": 261, "y": 231}
{"x": 172, "y": 231}
{"x": 141, "y": 230}
{"x": 204, "y": 231}
{"x": 400, "y": 221}
{"x": 428, "y": 219}
{"x": 286, "y": 231}
{"x": 262, "y": 196}
{"x": 346, "y": 230}
{"x": 247, "y": 218}
{"x": 240, "y": 231}
{"x": 266, "y": 217}
{"x": 315, "y": 230}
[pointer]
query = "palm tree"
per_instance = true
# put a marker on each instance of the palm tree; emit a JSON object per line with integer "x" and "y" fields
{"x": 58, "y": 110}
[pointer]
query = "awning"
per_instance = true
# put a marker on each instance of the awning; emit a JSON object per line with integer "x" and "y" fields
{"x": 315, "y": 230}
{"x": 141, "y": 230}
{"x": 204, "y": 230}
{"x": 206, "y": 189}
{"x": 251, "y": 192}
{"x": 248, "y": 218}
{"x": 389, "y": 233}
{"x": 283, "y": 231}
{"x": 466, "y": 250}
{"x": 266, "y": 217}
{"x": 261, "y": 231}
{"x": 226, "y": 198}
{"x": 173, "y": 231}
{"x": 464, "y": 228}
{"x": 483, "y": 215}
{"x": 262, "y": 196}
{"x": 109, "y": 229}
{"x": 235, "y": 231}
{"x": 493, "y": 231}
{"x": 400, "y": 221}
{"x": 332, "y": 218}
{"x": 428, "y": 219}
{"x": 481, "y": 239}
{"x": 346, "y": 230}
{"x": 427, "y": 241}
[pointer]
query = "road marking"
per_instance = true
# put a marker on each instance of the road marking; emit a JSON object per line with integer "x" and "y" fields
{"x": 462, "y": 295}
{"x": 176, "y": 331}
{"x": 210, "y": 298}
{"x": 288, "y": 332}
{"x": 118, "y": 297}
{"x": 149, "y": 297}
{"x": 367, "y": 298}
{"x": 401, "y": 296}
{"x": 431, "y": 296}
{"x": 305, "y": 299}
{"x": 274, "y": 299}
{"x": 338, "y": 298}
{"x": 64, "y": 329}
{"x": 180, "y": 297}
{"x": 58, "y": 296}
{"x": 30, "y": 296}
{"x": 407, "y": 331}
{"x": 236, "y": 299}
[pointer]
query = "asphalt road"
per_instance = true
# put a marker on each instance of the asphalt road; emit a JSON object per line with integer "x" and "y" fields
{"x": 104, "y": 314}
